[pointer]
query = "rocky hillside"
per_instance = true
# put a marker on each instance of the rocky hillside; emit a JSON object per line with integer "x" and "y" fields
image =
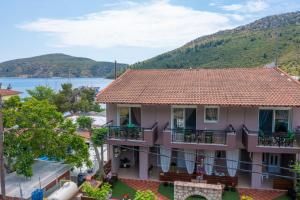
{"x": 255, "y": 44}
{"x": 58, "y": 65}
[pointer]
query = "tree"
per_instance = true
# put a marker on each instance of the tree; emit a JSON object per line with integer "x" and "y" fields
{"x": 43, "y": 93}
{"x": 75, "y": 100}
{"x": 145, "y": 195}
{"x": 296, "y": 168}
{"x": 84, "y": 122}
{"x": 35, "y": 128}
{"x": 98, "y": 140}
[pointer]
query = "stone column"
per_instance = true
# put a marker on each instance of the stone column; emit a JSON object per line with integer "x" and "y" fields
{"x": 143, "y": 162}
{"x": 114, "y": 161}
{"x": 256, "y": 177}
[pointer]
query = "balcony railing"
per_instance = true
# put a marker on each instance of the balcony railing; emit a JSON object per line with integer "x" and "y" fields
{"x": 201, "y": 136}
{"x": 273, "y": 140}
{"x": 126, "y": 132}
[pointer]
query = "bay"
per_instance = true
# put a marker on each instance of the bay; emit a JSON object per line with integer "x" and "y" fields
{"x": 24, "y": 84}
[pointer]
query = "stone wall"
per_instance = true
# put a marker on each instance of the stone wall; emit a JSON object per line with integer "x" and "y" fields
{"x": 183, "y": 190}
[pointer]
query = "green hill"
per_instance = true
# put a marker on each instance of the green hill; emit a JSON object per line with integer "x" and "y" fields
{"x": 58, "y": 65}
{"x": 252, "y": 45}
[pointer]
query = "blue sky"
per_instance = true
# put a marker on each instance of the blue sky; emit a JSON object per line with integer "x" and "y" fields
{"x": 126, "y": 31}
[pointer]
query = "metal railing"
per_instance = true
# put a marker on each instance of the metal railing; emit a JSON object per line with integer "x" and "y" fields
{"x": 288, "y": 139}
{"x": 277, "y": 139}
{"x": 201, "y": 136}
{"x": 126, "y": 132}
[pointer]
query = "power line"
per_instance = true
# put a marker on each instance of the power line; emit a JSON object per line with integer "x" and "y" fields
{"x": 221, "y": 166}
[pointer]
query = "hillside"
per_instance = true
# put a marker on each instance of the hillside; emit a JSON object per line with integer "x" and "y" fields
{"x": 58, "y": 65}
{"x": 251, "y": 45}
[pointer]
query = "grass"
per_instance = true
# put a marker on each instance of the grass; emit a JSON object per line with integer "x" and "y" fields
{"x": 168, "y": 191}
{"x": 228, "y": 195}
{"x": 119, "y": 189}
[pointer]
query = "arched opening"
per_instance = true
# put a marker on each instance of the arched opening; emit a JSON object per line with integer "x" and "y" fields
{"x": 196, "y": 197}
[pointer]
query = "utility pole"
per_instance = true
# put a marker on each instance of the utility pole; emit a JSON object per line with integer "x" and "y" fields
{"x": 2, "y": 169}
{"x": 115, "y": 69}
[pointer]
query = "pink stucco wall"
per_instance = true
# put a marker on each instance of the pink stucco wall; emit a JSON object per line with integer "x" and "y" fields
{"x": 256, "y": 170}
{"x": 228, "y": 115}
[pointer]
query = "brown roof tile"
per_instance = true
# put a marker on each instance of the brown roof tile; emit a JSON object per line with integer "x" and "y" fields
{"x": 231, "y": 86}
{"x": 6, "y": 92}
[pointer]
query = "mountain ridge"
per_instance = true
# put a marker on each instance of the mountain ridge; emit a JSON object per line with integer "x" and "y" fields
{"x": 255, "y": 44}
{"x": 58, "y": 65}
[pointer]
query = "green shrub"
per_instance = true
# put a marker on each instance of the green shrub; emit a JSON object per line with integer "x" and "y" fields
{"x": 84, "y": 122}
{"x": 97, "y": 193}
{"x": 145, "y": 195}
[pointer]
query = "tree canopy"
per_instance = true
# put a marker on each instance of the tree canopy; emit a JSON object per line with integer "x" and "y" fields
{"x": 84, "y": 122}
{"x": 68, "y": 99}
{"x": 35, "y": 128}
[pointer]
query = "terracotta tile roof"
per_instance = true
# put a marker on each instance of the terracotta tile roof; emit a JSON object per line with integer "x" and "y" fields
{"x": 6, "y": 92}
{"x": 231, "y": 86}
{"x": 84, "y": 134}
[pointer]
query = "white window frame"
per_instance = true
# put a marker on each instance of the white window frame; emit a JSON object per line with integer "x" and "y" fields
{"x": 129, "y": 106}
{"x": 273, "y": 119}
{"x": 211, "y": 121}
{"x": 183, "y": 107}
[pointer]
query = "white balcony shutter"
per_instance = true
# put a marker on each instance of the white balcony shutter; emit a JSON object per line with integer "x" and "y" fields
{"x": 165, "y": 158}
{"x": 209, "y": 161}
{"x": 190, "y": 157}
{"x": 232, "y": 160}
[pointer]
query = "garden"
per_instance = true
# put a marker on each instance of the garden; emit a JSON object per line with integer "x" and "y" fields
{"x": 120, "y": 191}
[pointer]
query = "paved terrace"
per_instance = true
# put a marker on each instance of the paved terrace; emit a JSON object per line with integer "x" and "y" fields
{"x": 45, "y": 170}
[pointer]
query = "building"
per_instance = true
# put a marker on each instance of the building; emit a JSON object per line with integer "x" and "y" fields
{"x": 235, "y": 126}
{"x": 7, "y": 93}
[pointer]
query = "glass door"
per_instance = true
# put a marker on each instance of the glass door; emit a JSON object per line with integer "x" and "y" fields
{"x": 274, "y": 163}
{"x": 265, "y": 122}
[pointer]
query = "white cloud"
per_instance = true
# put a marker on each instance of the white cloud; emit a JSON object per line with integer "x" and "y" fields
{"x": 155, "y": 24}
{"x": 250, "y": 6}
{"x": 232, "y": 7}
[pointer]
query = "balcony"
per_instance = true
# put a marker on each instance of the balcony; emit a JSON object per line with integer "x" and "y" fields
{"x": 126, "y": 133}
{"x": 132, "y": 135}
{"x": 275, "y": 143}
{"x": 198, "y": 136}
{"x": 195, "y": 139}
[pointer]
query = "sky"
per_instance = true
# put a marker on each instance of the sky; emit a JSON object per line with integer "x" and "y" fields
{"x": 126, "y": 31}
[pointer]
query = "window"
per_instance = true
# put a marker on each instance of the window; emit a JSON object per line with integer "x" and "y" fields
{"x": 211, "y": 114}
{"x": 178, "y": 118}
{"x": 124, "y": 116}
{"x": 184, "y": 118}
{"x": 273, "y": 121}
{"x": 266, "y": 122}
{"x": 281, "y": 121}
{"x": 129, "y": 115}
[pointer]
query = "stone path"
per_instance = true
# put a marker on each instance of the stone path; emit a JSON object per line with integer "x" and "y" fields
{"x": 145, "y": 185}
{"x": 260, "y": 194}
